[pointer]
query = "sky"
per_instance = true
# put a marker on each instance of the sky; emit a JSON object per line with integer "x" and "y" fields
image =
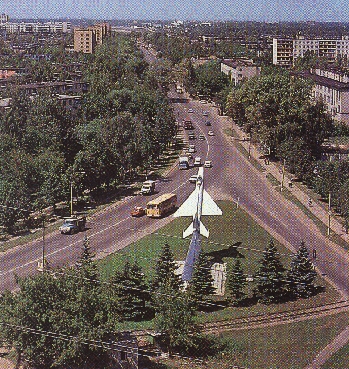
{"x": 258, "y": 10}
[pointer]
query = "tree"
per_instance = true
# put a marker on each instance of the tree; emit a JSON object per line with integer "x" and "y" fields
{"x": 301, "y": 276}
{"x": 165, "y": 271}
{"x": 174, "y": 318}
{"x": 270, "y": 276}
{"x": 201, "y": 283}
{"x": 132, "y": 292}
{"x": 236, "y": 282}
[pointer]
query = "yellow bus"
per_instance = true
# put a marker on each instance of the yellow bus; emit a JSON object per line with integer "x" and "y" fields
{"x": 161, "y": 205}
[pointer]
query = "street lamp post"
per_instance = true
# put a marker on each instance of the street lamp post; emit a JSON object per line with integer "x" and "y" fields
{"x": 71, "y": 191}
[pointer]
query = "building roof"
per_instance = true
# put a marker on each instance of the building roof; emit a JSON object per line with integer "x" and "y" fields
{"x": 234, "y": 63}
{"x": 323, "y": 81}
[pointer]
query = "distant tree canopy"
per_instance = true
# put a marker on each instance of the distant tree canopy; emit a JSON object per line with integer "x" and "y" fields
{"x": 125, "y": 122}
{"x": 276, "y": 110}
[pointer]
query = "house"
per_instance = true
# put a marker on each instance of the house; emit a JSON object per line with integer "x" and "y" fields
{"x": 239, "y": 69}
{"x": 124, "y": 351}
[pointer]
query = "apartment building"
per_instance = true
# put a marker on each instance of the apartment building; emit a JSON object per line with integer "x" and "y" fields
{"x": 86, "y": 39}
{"x": 37, "y": 27}
{"x": 332, "y": 87}
{"x": 287, "y": 50}
{"x": 239, "y": 69}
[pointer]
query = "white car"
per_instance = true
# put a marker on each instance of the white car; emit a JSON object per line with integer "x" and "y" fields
{"x": 205, "y": 113}
{"x": 208, "y": 164}
{"x": 192, "y": 149}
{"x": 193, "y": 178}
{"x": 197, "y": 161}
{"x": 203, "y": 102}
{"x": 201, "y": 137}
{"x": 210, "y": 133}
{"x": 190, "y": 111}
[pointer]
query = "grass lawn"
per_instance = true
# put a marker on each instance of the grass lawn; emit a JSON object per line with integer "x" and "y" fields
{"x": 340, "y": 360}
{"x": 291, "y": 346}
{"x": 235, "y": 235}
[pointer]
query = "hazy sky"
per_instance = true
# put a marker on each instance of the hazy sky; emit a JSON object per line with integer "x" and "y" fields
{"x": 260, "y": 10}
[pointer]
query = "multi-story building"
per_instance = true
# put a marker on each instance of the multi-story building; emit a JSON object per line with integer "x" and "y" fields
{"x": 4, "y": 18}
{"x": 239, "y": 69}
{"x": 86, "y": 39}
{"x": 287, "y": 50}
{"x": 332, "y": 87}
{"x": 29, "y": 27}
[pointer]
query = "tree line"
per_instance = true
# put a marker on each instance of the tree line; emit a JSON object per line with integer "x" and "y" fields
{"x": 77, "y": 304}
{"x": 123, "y": 124}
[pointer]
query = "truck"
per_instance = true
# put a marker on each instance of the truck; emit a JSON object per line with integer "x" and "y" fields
{"x": 187, "y": 124}
{"x": 148, "y": 187}
{"x": 184, "y": 162}
{"x": 73, "y": 224}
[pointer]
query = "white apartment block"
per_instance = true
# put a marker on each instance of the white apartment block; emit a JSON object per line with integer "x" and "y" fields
{"x": 332, "y": 87}
{"x": 27, "y": 27}
{"x": 239, "y": 69}
{"x": 287, "y": 50}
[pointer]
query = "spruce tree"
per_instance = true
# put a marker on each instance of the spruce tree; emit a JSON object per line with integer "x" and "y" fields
{"x": 132, "y": 292}
{"x": 301, "y": 276}
{"x": 165, "y": 270}
{"x": 236, "y": 282}
{"x": 201, "y": 284}
{"x": 270, "y": 276}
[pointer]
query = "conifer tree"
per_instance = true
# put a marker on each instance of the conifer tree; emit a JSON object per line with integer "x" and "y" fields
{"x": 301, "y": 276}
{"x": 236, "y": 282}
{"x": 132, "y": 292}
{"x": 270, "y": 276}
{"x": 165, "y": 270}
{"x": 201, "y": 284}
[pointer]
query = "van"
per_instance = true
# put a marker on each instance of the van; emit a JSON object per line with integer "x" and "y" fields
{"x": 148, "y": 188}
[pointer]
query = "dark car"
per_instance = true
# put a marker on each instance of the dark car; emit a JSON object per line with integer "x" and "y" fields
{"x": 208, "y": 123}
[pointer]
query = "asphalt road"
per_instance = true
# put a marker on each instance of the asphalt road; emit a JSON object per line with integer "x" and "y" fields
{"x": 231, "y": 177}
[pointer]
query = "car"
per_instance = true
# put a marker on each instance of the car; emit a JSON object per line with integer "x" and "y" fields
{"x": 210, "y": 133}
{"x": 190, "y": 111}
{"x": 208, "y": 123}
{"x": 193, "y": 178}
{"x": 192, "y": 136}
{"x": 201, "y": 137}
{"x": 138, "y": 211}
{"x": 203, "y": 102}
{"x": 205, "y": 113}
{"x": 192, "y": 149}
{"x": 208, "y": 164}
{"x": 197, "y": 161}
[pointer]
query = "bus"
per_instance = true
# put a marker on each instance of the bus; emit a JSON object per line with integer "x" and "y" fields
{"x": 161, "y": 205}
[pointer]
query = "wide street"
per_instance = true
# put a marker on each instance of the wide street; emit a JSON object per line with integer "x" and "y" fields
{"x": 231, "y": 177}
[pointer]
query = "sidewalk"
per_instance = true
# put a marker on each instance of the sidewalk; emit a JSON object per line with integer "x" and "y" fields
{"x": 318, "y": 209}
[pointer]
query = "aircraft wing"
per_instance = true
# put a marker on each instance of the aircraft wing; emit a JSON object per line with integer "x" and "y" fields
{"x": 209, "y": 207}
{"x": 189, "y": 206}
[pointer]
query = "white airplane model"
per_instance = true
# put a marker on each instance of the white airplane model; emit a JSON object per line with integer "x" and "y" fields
{"x": 197, "y": 204}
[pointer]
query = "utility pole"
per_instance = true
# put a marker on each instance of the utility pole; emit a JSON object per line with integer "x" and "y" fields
{"x": 329, "y": 215}
{"x": 283, "y": 176}
{"x": 71, "y": 197}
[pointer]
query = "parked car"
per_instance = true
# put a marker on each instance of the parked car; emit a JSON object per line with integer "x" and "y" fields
{"x": 201, "y": 137}
{"x": 190, "y": 111}
{"x": 191, "y": 136}
{"x": 203, "y": 102}
{"x": 208, "y": 123}
{"x": 138, "y": 211}
{"x": 208, "y": 164}
{"x": 192, "y": 149}
{"x": 193, "y": 178}
{"x": 210, "y": 133}
{"x": 205, "y": 113}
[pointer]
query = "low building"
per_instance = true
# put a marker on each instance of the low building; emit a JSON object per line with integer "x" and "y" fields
{"x": 239, "y": 69}
{"x": 331, "y": 86}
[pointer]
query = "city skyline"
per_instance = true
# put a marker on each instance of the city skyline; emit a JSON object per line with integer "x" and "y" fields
{"x": 241, "y": 10}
